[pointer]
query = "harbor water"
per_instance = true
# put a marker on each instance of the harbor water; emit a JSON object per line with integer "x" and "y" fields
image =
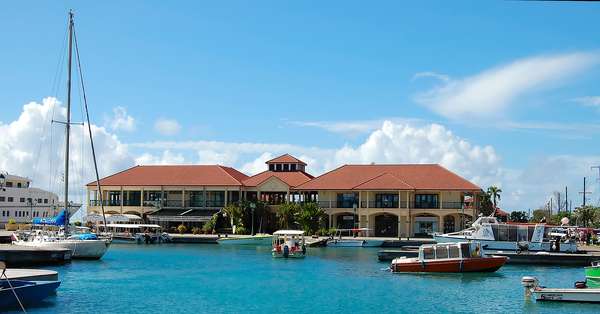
{"x": 199, "y": 278}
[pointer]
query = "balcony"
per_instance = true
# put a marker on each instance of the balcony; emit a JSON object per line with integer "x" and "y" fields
{"x": 105, "y": 202}
{"x": 380, "y": 204}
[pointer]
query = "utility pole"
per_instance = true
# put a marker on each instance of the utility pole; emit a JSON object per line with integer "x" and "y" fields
{"x": 584, "y": 193}
{"x": 566, "y": 198}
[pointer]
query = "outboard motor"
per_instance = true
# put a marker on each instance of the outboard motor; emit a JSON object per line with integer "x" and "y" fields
{"x": 286, "y": 251}
{"x": 529, "y": 283}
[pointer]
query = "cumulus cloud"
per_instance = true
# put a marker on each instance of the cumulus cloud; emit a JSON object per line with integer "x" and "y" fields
{"x": 31, "y": 146}
{"x": 167, "y": 126}
{"x": 492, "y": 91}
{"x": 166, "y": 158}
{"x": 121, "y": 120}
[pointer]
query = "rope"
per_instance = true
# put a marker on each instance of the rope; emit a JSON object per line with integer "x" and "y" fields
{"x": 13, "y": 290}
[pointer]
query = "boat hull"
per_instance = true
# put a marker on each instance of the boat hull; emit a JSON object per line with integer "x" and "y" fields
{"x": 80, "y": 249}
{"x": 256, "y": 240}
{"x": 567, "y": 295}
{"x": 477, "y": 264}
{"x": 29, "y": 292}
{"x": 505, "y": 245}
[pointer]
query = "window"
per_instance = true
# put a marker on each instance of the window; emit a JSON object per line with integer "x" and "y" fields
{"x": 286, "y": 167}
{"x": 386, "y": 200}
{"x": 18, "y": 184}
{"x": 271, "y": 167}
{"x": 10, "y": 199}
{"x": 441, "y": 252}
{"x": 29, "y": 200}
{"x": 39, "y": 200}
{"x": 347, "y": 200}
{"x": 9, "y": 184}
{"x": 45, "y": 201}
{"x": 453, "y": 251}
{"x": 426, "y": 201}
{"x": 428, "y": 253}
{"x": 293, "y": 167}
{"x": 2, "y": 199}
{"x": 278, "y": 167}
{"x": 22, "y": 200}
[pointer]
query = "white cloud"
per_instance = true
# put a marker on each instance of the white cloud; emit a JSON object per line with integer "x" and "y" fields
{"x": 490, "y": 92}
{"x": 167, "y": 126}
{"x": 121, "y": 120}
{"x": 588, "y": 101}
{"x": 166, "y": 158}
{"x": 30, "y": 146}
{"x": 257, "y": 165}
{"x": 353, "y": 128}
{"x": 435, "y": 75}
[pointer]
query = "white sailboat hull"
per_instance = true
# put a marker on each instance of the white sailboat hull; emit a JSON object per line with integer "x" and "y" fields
{"x": 80, "y": 249}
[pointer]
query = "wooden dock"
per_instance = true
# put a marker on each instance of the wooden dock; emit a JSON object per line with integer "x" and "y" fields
{"x": 18, "y": 256}
{"x": 549, "y": 258}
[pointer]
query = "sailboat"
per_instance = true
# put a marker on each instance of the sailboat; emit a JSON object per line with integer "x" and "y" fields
{"x": 88, "y": 246}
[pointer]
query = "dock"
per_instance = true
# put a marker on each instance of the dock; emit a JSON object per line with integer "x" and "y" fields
{"x": 31, "y": 274}
{"x": 549, "y": 258}
{"x": 193, "y": 238}
{"x": 18, "y": 256}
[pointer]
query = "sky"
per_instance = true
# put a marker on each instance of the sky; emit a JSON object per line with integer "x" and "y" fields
{"x": 502, "y": 92}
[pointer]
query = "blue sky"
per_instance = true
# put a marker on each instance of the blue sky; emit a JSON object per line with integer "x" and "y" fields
{"x": 301, "y": 73}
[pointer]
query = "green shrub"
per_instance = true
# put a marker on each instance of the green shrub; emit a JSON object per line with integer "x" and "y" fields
{"x": 240, "y": 230}
{"x": 182, "y": 229}
{"x": 11, "y": 221}
{"x": 323, "y": 232}
{"x": 196, "y": 230}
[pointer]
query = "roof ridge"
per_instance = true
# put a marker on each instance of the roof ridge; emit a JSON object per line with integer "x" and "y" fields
{"x": 379, "y": 176}
{"x": 317, "y": 177}
{"x": 458, "y": 176}
{"x": 229, "y": 174}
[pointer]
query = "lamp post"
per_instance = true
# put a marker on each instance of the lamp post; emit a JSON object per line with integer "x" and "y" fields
{"x": 252, "y": 208}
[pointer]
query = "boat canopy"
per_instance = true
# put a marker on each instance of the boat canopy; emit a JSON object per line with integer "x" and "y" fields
{"x": 131, "y": 226}
{"x": 288, "y": 232}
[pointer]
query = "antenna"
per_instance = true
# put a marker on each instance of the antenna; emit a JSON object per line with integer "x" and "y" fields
{"x": 584, "y": 192}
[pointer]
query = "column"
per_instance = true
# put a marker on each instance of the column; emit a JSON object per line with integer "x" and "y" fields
{"x": 399, "y": 204}
{"x": 121, "y": 199}
{"x": 407, "y": 199}
{"x": 183, "y": 198}
{"x": 360, "y": 199}
{"x": 441, "y": 200}
{"x": 142, "y": 201}
{"x": 367, "y": 199}
{"x": 226, "y": 197}
{"x": 204, "y": 196}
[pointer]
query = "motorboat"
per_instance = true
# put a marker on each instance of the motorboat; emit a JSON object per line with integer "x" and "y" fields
{"x": 82, "y": 246}
{"x": 257, "y": 239}
{"x": 137, "y": 233}
{"x": 583, "y": 291}
{"x": 494, "y": 235}
{"x": 18, "y": 293}
{"x": 338, "y": 240}
{"x": 455, "y": 257}
{"x": 288, "y": 244}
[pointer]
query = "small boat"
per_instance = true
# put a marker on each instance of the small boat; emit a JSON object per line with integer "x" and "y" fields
{"x": 339, "y": 241}
{"x": 258, "y": 239}
{"x": 18, "y": 293}
{"x": 137, "y": 233}
{"x": 288, "y": 244}
{"x": 584, "y": 291}
{"x": 458, "y": 257}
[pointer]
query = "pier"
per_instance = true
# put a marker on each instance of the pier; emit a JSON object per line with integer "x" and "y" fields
{"x": 17, "y": 256}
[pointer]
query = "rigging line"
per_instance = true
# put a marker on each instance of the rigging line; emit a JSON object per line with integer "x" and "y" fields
{"x": 87, "y": 113}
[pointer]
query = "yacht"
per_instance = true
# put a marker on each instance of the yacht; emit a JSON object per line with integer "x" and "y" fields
{"x": 494, "y": 235}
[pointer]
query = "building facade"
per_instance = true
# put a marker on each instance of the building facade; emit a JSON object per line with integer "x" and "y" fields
{"x": 390, "y": 200}
{"x": 20, "y": 202}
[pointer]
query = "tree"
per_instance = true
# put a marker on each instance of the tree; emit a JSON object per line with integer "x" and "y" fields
{"x": 286, "y": 214}
{"x": 587, "y": 215}
{"x": 310, "y": 217}
{"x": 538, "y": 215}
{"x": 235, "y": 214}
{"x": 485, "y": 205}
{"x": 518, "y": 216}
{"x": 556, "y": 219}
{"x": 494, "y": 193}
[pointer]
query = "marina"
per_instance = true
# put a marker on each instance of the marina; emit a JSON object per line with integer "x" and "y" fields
{"x": 127, "y": 272}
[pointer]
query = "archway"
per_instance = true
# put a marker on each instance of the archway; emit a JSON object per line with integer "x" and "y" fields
{"x": 386, "y": 225}
{"x": 345, "y": 220}
{"x": 425, "y": 225}
{"x": 449, "y": 224}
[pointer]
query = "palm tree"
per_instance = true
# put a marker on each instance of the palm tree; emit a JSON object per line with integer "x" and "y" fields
{"x": 494, "y": 193}
{"x": 586, "y": 215}
{"x": 235, "y": 214}
{"x": 286, "y": 214}
{"x": 310, "y": 217}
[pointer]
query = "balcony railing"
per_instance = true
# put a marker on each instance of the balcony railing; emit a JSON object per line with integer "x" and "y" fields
{"x": 105, "y": 202}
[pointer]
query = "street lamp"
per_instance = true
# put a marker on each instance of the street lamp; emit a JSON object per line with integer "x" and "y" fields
{"x": 252, "y": 208}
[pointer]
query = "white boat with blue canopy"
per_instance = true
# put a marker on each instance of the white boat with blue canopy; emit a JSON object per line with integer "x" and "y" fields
{"x": 288, "y": 244}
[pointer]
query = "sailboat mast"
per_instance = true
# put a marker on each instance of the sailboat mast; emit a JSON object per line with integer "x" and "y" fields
{"x": 68, "y": 124}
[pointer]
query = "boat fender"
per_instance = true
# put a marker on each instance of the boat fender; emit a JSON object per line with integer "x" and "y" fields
{"x": 422, "y": 264}
{"x": 580, "y": 285}
{"x": 286, "y": 251}
{"x": 461, "y": 265}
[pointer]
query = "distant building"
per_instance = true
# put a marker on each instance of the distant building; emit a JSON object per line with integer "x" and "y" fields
{"x": 21, "y": 202}
{"x": 379, "y": 197}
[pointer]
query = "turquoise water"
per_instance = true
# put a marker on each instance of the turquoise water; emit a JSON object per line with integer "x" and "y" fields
{"x": 217, "y": 279}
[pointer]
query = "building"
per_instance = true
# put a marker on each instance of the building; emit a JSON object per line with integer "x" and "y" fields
{"x": 391, "y": 200}
{"x": 20, "y": 202}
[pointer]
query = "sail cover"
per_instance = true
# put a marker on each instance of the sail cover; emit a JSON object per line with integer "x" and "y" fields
{"x": 58, "y": 220}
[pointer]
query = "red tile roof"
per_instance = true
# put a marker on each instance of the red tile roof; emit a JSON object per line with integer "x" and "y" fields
{"x": 286, "y": 158}
{"x": 292, "y": 179}
{"x": 401, "y": 177}
{"x": 179, "y": 175}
